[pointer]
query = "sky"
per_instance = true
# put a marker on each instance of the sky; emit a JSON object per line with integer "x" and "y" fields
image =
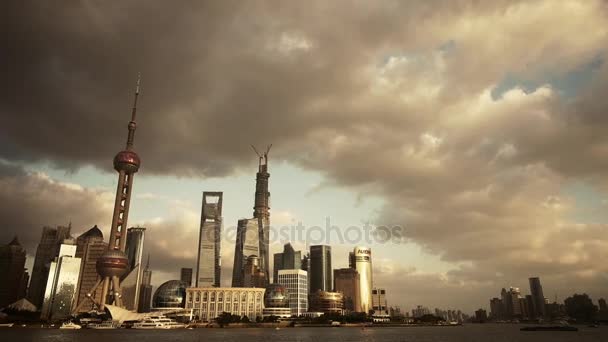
{"x": 475, "y": 128}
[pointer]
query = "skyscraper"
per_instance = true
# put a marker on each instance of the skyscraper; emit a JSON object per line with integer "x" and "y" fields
{"x": 47, "y": 250}
{"x": 208, "y": 265}
{"x": 538, "y": 298}
{"x": 253, "y": 276}
{"x": 113, "y": 264}
{"x": 247, "y": 244}
{"x": 145, "y": 292}
{"x": 89, "y": 247}
{"x": 296, "y": 283}
{"x": 261, "y": 209}
{"x": 320, "y": 269}
{"x": 185, "y": 275}
{"x": 288, "y": 260}
{"x": 12, "y": 263}
{"x": 347, "y": 281}
{"x": 361, "y": 259}
{"x": 60, "y": 292}
{"x": 130, "y": 283}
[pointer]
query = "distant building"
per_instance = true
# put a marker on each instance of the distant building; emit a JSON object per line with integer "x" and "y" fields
{"x": 14, "y": 274}
{"x": 481, "y": 315}
{"x": 89, "y": 247}
{"x": 511, "y": 302}
{"x": 247, "y": 244}
{"x": 295, "y": 282}
{"x": 320, "y": 269}
{"x": 420, "y": 311}
{"x": 327, "y": 302}
{"x": 379, "y": 305}
{"x": 60, "y": 292}
{"x": 497, "y": 310}
{"x": 602, "y": 304}
{"x": 170, "y": 295}
{"x": 47, "y": 250}
{"x": 288, "y": 260}
{"x": 538, "y": 298}
{"x": 347, "y": 281}
{"x": 131, "y": 281}
{"x": 276, "y": 301}
{"x": 253, "y": 276}
{"x": 145, "y": 292}
{"x": 361, "y": 259}
{"x": 208, "y": 265}
{"x": 185, "y": 275}
{"x": 208, "y": 303}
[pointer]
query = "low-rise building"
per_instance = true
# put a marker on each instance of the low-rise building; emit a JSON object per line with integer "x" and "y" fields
{"x": 207, "y": 303}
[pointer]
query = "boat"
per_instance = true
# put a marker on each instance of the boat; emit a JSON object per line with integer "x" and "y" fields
{"x": 550, "y": 328}
{"x": 70, "y": 325}
{"x": 7, "y": 325}
{"x": 158, "y": 322}
{"x": 102, "y": 325}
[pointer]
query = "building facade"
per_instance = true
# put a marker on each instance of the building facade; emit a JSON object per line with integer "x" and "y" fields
{"x": 131, "y": 281}
{"x": 14, "y": 274}
{"x": 276, "y": 301}
{"x": 253, "y": 276}
{"x": 361, "y": 258}
{"x": 247, "y": 244}
{"x": 320, "y": 269}
{"x": 379, "y": 304}
{"x": 60, "y": 292}
{"x": 261, "y": 210}
{"x": 288, "y": 260}
{"x": 327, "y": 302}
{"x": 209, "y": 264}
{"x": 207, "y": 303}
{"x": 47, "y": 250}
{"x": 346, "y": 281}
{"x": 296, "y": 283}
{"x": 89, "y": 247}
{"x": 185, "y": 275}
{"x": 538, "y": 298}
{"x": 145, "y": 292}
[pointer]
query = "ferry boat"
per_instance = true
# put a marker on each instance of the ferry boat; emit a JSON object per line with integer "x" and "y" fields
{"x": 102, "y": 325}
{"x": 158, "y": 322}
{"x": 6, "y": 325}
{"x": 70, "y": 325}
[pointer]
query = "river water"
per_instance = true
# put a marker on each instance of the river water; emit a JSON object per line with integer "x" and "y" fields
{"x": 466, "y": 333}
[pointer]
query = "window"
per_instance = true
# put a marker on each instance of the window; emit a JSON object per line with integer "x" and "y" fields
{"x": 204, "y": 296}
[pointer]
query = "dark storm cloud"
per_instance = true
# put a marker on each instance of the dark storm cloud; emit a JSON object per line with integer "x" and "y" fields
{"x": 389, "y": 98}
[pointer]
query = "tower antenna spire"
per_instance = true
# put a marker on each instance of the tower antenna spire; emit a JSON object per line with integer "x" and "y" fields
{"x": 132, "y": 124}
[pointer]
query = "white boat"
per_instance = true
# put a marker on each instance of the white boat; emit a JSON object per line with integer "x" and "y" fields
{"x": 6, "y": 325}
{"x": 102, "y": 325}
{"x": 158, "y": 322}
{"x": 70, "y": 325}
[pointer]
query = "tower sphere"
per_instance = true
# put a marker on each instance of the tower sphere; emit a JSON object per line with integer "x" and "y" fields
{"x": 112, "y": 263}
{"x": 127, "y": 161}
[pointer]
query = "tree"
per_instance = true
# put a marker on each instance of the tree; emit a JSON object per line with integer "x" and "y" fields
{"x": 245, "y": 319}
{"x": 580, "y": 307}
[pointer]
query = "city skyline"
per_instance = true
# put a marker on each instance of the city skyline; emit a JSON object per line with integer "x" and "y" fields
{"x": 489, "y": 155}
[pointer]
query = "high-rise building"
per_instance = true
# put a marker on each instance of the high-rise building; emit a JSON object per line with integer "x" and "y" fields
{"x": 261, "y": 209}
{"x": 288, "y": 260}
{"x": 379, "y": 304}
{"x": 497, "y": 310}
{"x": 47, "y": 250}
{"x": 208, "y": 265}
{"x": 145, "y": 292}
{"x": 420, "y": 311}
{"x": 185, "y": 275}
{"x": 327, "y": 302}
{"x": 538, "y": 298}
{"x": 347, "y": 281}
{"x": 296, "y": 283}
{"x": 114, "y": 263}
{"x": 253, "y": 276}
{"x": 60, "y": 292}
{"x": 89, "y": 247}
{"x": 130, "y": 283}
{"x": 512, "y": 303}
{"x": 14, "y": 275}
{"x": 247, "y": 244}
{"x": 320, "y": 269}
{"x": 361, "y": 258}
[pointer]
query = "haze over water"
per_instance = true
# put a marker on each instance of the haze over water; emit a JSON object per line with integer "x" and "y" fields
{"x": 467, "y": 333}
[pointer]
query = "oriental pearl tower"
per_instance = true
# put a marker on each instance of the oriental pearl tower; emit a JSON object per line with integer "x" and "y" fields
{"x": 114, "y": 262}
